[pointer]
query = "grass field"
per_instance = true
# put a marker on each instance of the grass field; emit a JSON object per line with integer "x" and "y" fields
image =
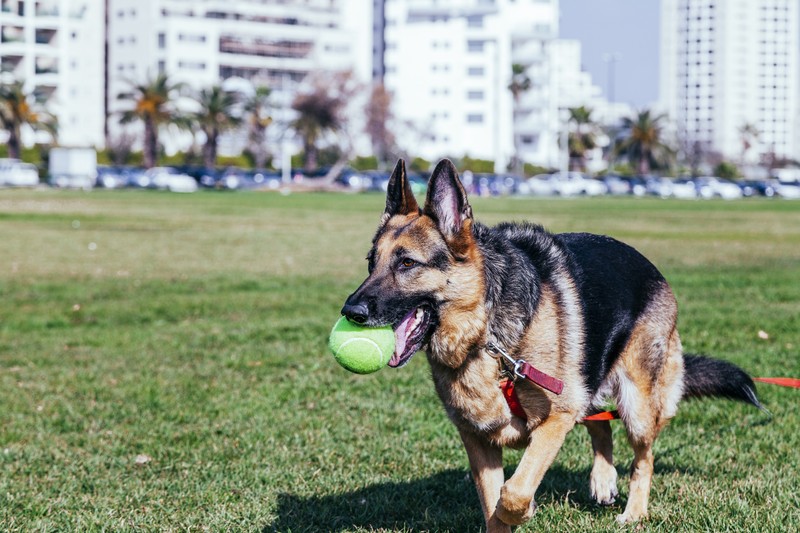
{"x": 163, "y": 368}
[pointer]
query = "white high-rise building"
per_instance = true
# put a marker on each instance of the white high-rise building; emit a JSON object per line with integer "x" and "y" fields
{"x": 56, "y": 48}
{"x": 448, "y": 64}
{"x": 725, "y": 64}
{"x": 203, "y": 42}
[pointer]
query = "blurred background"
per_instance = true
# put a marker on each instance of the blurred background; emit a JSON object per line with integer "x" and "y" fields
{"x": 694, "y": 98}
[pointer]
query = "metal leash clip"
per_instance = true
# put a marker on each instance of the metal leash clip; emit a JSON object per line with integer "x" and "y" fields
{"x": 516, "y": 364}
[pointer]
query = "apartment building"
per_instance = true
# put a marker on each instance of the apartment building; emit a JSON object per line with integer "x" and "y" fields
{"x": 448, "y": 64}
{"x": 257, "y": 42}
{"x": 56, "y": 48}
{"x": 727, "y": 64}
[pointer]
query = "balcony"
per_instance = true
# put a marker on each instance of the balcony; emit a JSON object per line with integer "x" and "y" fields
{"x": 46, "y": 36}
{"x": 46, "y": 9}
{"x": 265, "y": 48}
{"x": 46, "y": 65}
{"x": 12, "y": 34}
{"x": 13, "y": 64}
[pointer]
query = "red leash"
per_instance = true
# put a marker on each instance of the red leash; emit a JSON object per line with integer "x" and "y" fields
{"x": 783, "y": 382}
{"x": 507, "y": 386}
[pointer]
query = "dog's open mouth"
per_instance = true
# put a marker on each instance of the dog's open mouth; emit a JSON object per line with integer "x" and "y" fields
{"x": 410, "y": 334}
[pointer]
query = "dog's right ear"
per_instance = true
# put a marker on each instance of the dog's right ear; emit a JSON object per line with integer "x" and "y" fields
{"x": 399, "y": 198}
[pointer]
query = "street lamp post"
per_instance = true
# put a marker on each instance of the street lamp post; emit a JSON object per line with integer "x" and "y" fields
{"x": 611, "y": 60}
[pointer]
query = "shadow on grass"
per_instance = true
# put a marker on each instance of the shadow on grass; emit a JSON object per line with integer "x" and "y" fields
{"x": 446, "y": 501}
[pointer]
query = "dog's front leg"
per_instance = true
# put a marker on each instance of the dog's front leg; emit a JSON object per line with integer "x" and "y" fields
{"x": 486, "y": 464}
{"x": 516, "y": 504}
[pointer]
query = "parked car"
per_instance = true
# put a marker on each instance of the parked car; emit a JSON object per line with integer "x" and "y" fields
{"x": 757, "y": 188}
{"x": 617, "y": 185}
{"x": 15, "y": 173}
{"x": 111, "y": 177}
{"x": 267, "y": 179}
{"x": 713, "y": 187}
{"x": 684, "y": 188}
{"x": 170, "y": 179}
{"x": 541, "y": 185}
{"x": 790, "y": 190}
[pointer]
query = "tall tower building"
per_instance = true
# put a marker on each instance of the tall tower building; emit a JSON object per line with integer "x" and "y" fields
{"x": 56, "y": 48}
{"x": 728, "y": 64}
{"x": 448, "y": 64}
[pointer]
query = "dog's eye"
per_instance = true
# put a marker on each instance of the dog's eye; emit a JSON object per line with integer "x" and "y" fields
{"x": 407, "y": 262}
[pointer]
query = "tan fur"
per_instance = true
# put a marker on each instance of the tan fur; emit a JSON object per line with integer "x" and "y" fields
{"x": 648, "y": 383}
{"x": 646, "y": 380}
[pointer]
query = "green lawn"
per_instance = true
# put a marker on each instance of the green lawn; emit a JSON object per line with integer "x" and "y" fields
{"x": 163, "y": 367}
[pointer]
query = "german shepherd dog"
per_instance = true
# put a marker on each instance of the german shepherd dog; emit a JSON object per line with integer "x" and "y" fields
{"x": 585, "y": 309}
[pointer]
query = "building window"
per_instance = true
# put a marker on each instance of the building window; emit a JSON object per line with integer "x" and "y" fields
{"x": 475, "y": 21}
{"x": 162, "y": 41}
{"x": 196, "y": 38}
{"x": 162, "y": 67}
{"x": 474, "y": 46}
{"x": 475, "y": 71}
{"x": 475, "y": 118}
{"x": 474, "y": 95}
{"x": 191, "y": 65}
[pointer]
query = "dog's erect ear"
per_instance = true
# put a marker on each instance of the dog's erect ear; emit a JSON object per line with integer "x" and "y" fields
{"x": 399, "y": 198}
{"x": 447, "y": 200}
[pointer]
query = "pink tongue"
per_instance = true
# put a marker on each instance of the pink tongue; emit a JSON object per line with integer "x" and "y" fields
{"x": 401, "y": 336}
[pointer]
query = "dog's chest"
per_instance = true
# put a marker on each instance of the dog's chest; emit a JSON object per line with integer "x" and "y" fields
{"x": 471, "y": 395}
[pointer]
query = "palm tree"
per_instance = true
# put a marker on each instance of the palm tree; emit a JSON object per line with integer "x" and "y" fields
{"x": 582, "y": 135}
{"x": 520, "y": 83}
{"x": 153, "y": 105}
{"x": 321, "y": 110}
{"x": 19, "y": 108}
{"x": 378, "y": 113}
{"x": 217, "y": 113}
{"x": 644, "y": 145}
{"x": 256, "y": 107}
{"x": 749, "y": 135}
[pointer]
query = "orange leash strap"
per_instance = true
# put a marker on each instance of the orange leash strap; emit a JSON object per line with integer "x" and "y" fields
{"x": 783, "y": 382}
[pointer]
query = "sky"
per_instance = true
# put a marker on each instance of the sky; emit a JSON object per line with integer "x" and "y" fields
{"x": 625, "y": 29}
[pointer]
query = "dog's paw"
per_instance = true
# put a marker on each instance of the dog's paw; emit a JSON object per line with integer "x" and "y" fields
{"x": 603, "y": 483}
{"x": 495, "y": 525}
{"x": 514, "y": 509}
{"x": 629, "y": 517}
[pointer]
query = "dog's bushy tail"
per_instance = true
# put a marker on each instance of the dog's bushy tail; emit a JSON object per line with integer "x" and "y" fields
{"x": 705, "y": 376}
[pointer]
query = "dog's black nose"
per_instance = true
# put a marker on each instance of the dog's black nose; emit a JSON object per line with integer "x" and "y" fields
{"x": 357, "y": 313}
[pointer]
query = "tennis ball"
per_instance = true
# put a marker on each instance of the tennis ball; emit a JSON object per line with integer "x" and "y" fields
{"x": 359, "y": 349}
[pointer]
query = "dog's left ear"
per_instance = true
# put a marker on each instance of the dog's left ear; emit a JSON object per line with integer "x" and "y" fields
{"x": 399, "y": 197}
{"x": 447, "y": 201}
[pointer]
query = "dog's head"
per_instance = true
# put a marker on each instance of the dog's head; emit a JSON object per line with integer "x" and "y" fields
{"x": 424, "y": 269}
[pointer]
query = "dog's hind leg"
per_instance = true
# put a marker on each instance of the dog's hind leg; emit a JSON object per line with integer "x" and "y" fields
{"x": 603, "y": 480}
{"x": 650, "y": 385}
{"x": 486, "y": 464}
{"x": 517, "y": 503}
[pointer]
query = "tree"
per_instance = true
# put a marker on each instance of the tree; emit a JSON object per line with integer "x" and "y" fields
{"x": 749, "y": 135}
{"x": 217, "y": 113}
{"x": 379, "y": 115}
{"x": 320, "y": 108}
{"x": 520, "y": 83}
{"x": 582, "y": 136}
{"x": 643, "y": 142}
{"x": 153, "y": 104}
{"x": 20, "y": 108}
{"x": 256, "y": 107}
